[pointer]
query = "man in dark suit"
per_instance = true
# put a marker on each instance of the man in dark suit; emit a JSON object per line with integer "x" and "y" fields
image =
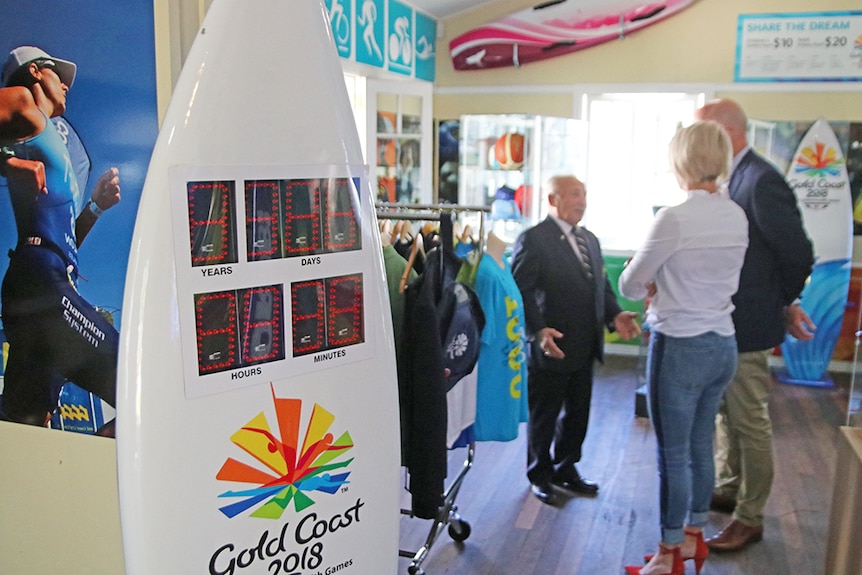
{"x": 568, "y": 303}
{"x": 777, "y": 263}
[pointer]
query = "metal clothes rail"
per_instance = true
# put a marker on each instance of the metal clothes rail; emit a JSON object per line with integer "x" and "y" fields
{"x": 447, "y": 514}
{"x": 430, "y": 212}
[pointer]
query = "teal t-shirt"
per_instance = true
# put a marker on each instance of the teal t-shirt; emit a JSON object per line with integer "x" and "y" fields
{"x": 501, "y": 394}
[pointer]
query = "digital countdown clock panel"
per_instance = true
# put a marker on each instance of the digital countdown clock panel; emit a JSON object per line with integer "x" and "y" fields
{"x": 239, "y": 328}
{"x": 327, "y": 313}
{"x": 300, "y": 217}
{"x": 293, "y": 300}
{"x": 212, "y": 224}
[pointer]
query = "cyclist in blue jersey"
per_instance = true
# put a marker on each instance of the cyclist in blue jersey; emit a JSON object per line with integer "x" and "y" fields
{"x": 54, "y": 334}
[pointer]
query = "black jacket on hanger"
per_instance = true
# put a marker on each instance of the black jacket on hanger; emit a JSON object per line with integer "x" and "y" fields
{"x": 439, "y": 345}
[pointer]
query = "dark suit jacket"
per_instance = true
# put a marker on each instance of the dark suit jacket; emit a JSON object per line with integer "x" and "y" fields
{"x": 556, "y": 293}
{"x": 779, "y": 255}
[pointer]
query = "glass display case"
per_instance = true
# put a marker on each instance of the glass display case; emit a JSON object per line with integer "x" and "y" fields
{"x": 400, "y": 135}
{"x": 505, "y": 159}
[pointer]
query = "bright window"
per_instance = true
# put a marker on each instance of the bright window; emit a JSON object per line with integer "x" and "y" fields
{"x": 628, "y": 174}
{"x": 356, "y": 93}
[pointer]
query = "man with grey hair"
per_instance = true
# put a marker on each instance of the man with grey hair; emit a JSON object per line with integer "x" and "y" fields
{"x": 568, "y": 304}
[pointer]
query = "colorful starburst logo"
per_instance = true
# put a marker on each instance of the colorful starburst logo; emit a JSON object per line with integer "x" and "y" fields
{"x": 285, "y": 472}
{"x": 819, "y": 160}
{"x": 857, "y": 43}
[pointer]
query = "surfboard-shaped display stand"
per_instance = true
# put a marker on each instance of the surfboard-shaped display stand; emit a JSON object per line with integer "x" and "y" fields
{"x": 554, "y": 28}
{"x": 258, "y": 426}
{"x": 818, "y": 175}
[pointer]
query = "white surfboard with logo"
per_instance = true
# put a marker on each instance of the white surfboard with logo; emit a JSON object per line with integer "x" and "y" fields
{"x": 818, "y": 175}
{"x": 258, "y": 425}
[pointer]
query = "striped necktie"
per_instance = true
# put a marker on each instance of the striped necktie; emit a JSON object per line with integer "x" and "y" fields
{"x": 585, "y": 253}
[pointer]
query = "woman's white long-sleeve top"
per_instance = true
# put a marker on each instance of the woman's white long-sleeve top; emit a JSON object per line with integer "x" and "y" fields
{"x": 693, "y": 253}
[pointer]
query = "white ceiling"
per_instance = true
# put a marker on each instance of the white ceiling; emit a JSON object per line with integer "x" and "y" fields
{"x": 444, "y": 8}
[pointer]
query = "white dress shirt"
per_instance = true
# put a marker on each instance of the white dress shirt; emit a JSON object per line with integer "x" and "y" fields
{"x": 693, "y": 253}
{"x": 568, "y": 231}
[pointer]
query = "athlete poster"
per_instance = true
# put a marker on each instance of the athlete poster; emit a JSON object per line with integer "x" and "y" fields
{"x": 109, "y": 126}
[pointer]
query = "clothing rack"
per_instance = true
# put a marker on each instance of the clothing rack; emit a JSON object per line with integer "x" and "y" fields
{"x": 447, "y": 514}
{"x": 430, "y": 212}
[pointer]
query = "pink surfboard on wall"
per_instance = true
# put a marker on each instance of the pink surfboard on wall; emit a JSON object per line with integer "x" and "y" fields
{"x": 554, "y": 28}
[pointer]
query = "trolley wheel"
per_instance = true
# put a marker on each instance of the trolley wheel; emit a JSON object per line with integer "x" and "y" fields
{"x": 459, "y": 530}
{"x": 415, "y": 570}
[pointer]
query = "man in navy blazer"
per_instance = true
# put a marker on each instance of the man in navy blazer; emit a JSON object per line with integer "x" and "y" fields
{"x": 568, "y": 303}
{"x": 777, "y": 263}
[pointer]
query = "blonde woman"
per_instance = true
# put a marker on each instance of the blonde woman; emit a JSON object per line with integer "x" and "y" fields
{"x": 689, "y": 264}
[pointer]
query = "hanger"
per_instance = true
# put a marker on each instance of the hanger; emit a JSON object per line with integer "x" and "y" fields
{"x": 414, "y": 251}
{"x": 428, "y": 228}
{"x": 406, "y": 213}
{"x": 495, "y": 246}
{"x": 402, "y": 231}
{"x": 385, "y": 233}
{"x": 467, "y": 234}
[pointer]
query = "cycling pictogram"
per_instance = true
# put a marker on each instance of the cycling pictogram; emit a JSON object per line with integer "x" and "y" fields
{"x": 400, "y": 42}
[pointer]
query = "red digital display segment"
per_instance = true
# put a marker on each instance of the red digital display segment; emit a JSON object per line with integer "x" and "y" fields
{"x": 301, "y": 217}
{"x": 342, "y": 228}
{"x": 327, "y": 314}
{"x": 212, "y": 223}
{"x": 307, "y": 308}
{"x": 215, "y": 323}
{"x": 344, "y": 310}
{"x": 262, "y": 325}
{"x": 261, "y": 220}
{"x": 239, "y": 328}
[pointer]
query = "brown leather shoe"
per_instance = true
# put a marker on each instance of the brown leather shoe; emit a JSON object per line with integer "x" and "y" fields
{"x": 735, "y": 536}
{"x": 721, "y": 502}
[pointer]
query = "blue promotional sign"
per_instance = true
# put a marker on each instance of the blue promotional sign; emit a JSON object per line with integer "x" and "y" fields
{"x": 370, "y": 32}
{"x": 114, "y": 115}
{"x": 426, "y": 40}
{"x": 112, "y": 106}
{"x": 399, "y": 42}
{"x": 341, "y": 20}
{"x": 78, "y": 411}
{"x": 807, "y": 47}
{"x": 385, "y": 34}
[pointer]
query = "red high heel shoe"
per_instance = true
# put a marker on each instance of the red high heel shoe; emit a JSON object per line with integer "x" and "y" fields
{"x": 701, "y": 551}
{"x": 677, "y": 567}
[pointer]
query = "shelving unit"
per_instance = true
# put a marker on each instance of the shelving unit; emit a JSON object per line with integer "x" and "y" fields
{"x": 551, "y": 146}
{"x": 399, "y": 140}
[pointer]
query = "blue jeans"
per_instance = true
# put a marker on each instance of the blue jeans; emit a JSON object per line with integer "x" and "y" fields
{"x": 687, "y": 377}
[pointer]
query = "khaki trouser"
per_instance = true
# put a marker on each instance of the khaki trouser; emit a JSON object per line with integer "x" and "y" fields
{"x": 743, "y": 438}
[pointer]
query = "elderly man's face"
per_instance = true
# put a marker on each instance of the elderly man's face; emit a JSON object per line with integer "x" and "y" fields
{"x": 569, "y": 199}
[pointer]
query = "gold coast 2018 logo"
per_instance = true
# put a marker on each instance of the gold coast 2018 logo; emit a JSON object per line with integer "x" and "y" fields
{"x": 819, "y": 160}
{"x": 820, "y": 184}
{"x": 287, "y": 471}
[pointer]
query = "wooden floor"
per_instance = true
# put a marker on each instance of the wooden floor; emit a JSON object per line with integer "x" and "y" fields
{"x": 513, "y": 533}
